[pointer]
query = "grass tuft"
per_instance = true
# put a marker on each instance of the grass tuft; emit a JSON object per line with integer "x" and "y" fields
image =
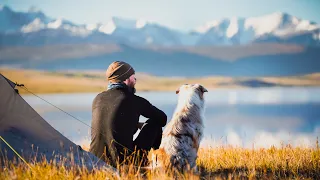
{"x": 223, "y": 162}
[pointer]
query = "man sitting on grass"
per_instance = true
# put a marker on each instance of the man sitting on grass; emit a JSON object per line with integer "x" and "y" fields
{"x": 115, "y": 119}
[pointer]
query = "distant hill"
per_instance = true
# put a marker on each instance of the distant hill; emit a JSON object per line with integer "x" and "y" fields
{"x": 251, "y": 61}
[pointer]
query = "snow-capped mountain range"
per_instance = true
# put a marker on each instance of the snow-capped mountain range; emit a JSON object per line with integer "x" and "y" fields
{"x": 35, "y": 28}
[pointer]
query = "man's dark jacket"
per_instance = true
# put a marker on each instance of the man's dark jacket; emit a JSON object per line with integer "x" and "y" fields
{"x": 115, "y": 115}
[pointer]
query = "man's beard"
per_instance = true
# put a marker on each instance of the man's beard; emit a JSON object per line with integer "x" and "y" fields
{"x": 132, "y": 88}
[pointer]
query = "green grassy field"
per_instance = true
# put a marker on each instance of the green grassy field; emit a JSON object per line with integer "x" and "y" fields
{"x": 77, "y": 82}
{"x": 219, "y": 163}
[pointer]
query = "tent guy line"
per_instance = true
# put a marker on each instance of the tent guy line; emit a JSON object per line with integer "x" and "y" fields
{"x": 22, "y": 86}
{"x": 15, "y": 152}
{"x": 22, "y": 129}
{"x": 25, "y": 88}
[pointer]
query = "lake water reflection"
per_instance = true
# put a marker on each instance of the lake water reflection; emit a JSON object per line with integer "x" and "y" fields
{"x": 238, "y": 117}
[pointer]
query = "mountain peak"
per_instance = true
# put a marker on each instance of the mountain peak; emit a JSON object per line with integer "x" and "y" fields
{"x": 208, "y": 25}
{"x": 129, "y": 23}
{"x": 273, "y": 27}
{"x": 124, "y": 23}
{"x": 141, "y": 23}
{"x": 34, "y": 9}
{"x": 275, "y": 18}
{"x": 55, "y": 24}
{"x": 4, "y": 8}
{"x": 279, "y": 16}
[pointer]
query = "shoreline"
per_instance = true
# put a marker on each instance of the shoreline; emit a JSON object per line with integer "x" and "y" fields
{"x": 57, "y": 82}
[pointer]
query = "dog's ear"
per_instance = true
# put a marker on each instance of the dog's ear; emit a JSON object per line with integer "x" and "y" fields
{"x": 177, "y": 91}
{"x": 202, "y": 89}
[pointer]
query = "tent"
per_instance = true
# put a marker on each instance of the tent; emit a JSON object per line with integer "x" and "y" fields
{"x": 32, "y": 137}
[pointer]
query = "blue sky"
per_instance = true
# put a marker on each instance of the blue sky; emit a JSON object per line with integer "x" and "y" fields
{"x": 177, "y": 14}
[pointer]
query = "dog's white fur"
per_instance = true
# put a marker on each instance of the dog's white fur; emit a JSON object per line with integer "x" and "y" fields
{"x": 182, "y": 135}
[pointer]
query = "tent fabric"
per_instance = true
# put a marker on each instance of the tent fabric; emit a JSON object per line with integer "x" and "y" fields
{"x": 32, "y": 137}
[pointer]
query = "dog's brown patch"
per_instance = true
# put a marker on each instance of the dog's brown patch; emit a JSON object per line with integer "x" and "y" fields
{"x": 201, "y": 95}
{"x": 185, "y": 120}
{"x": 179, "y": 136}
{"x": 195, "y": 143}
{"x": 159, "y": 157}
{"x": 175, "y": 135}
{"x": 184, "y": 110}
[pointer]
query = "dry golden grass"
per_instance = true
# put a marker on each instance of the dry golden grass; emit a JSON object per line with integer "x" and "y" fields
{"x": 49, "y": 82}
{"x": 220, "y": 163}
{"x": 272, "y": 163}
{"x": 75, "y": 82}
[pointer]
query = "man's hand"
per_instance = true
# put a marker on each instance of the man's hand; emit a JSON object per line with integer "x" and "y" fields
{"x": 140, "y": 125}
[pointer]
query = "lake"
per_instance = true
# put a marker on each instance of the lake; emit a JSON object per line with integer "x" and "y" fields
{"x": 247, "y": 118}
